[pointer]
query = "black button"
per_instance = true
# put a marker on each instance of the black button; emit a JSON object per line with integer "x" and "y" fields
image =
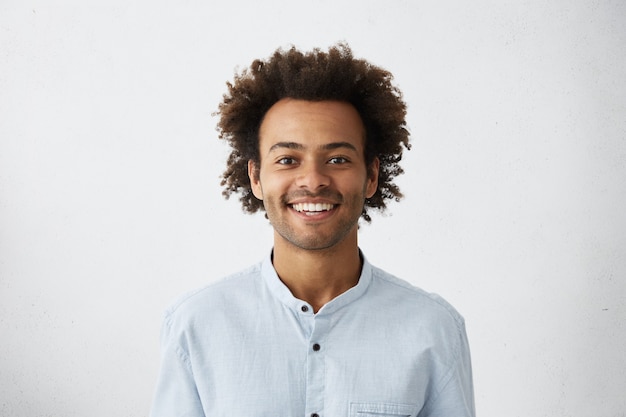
{"x": 315, "y": 415}
{"x": 316, "y": 347}
{"x": 304, "y": 309}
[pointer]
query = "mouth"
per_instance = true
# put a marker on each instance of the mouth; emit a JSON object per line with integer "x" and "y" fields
{"x": 312, "y": 209}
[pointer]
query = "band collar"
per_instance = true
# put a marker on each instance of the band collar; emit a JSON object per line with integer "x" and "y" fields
{"x": 282, "y": 292}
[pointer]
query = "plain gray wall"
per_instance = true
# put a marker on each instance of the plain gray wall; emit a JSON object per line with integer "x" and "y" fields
{"x": 110, "y": 204}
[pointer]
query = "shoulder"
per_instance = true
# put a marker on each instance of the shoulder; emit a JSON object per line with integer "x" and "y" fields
{"x": 415, "y": 301}
{"x": 235, "y": 288}
{"x": 425, "y": 319}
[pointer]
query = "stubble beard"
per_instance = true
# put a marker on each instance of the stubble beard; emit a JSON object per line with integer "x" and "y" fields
{"x": 315, "y": 239}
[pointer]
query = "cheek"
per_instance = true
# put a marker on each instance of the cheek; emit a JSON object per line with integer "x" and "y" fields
{"x": 353, "y": 184}
{"x": 273, "y": 185}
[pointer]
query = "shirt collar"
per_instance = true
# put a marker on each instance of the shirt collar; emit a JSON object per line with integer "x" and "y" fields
{"x": 280, "y": 290}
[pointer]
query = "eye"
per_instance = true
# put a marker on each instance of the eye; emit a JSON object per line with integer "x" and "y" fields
{"x": 286, "y": 161}
{"x": 338, "y": 160}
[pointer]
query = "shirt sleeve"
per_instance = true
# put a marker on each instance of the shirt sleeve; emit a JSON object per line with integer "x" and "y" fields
{"x": 455, "y": 396}
{"x": 176, "y": 393}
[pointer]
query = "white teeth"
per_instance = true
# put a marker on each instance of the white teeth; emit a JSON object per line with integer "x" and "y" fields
{"x": 312, "y": 207}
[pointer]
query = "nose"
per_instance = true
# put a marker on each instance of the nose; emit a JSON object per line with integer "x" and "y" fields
{"x": 312, "y": 177}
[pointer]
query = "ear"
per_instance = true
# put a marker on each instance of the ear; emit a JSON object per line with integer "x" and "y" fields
{"x": 255, "y": 181}
{"x": 372, "y": 178}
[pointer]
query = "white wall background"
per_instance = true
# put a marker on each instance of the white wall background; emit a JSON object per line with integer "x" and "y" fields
{"x": 515, "y": 188}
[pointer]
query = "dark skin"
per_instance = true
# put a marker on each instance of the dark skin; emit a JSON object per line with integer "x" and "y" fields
{"x": 313, "y": 181}
{"x": 334, "y": 75}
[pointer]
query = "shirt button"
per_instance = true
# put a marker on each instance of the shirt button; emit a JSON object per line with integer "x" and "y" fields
{"x": 316, "y": 347}
{"x": 304, "y": 309}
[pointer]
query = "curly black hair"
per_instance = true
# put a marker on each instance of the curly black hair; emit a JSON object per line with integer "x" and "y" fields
{"x": 314, "y": 76}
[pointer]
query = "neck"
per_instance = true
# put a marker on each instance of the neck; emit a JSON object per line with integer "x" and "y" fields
{"x": 318, "y": 276}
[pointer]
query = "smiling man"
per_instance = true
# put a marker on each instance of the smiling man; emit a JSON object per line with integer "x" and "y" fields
{"x": 313, "y": 330}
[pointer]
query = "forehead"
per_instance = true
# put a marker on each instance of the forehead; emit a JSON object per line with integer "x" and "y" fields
{"x": 311, "y": 123}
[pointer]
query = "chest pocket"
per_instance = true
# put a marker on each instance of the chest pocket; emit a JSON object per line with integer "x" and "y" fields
{"x": 382, "y": 410}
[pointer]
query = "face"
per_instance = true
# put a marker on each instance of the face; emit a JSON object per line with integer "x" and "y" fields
{"x": 312, "y": 178}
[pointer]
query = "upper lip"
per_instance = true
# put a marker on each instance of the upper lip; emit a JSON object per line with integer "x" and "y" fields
{"x": 311, "y": 201}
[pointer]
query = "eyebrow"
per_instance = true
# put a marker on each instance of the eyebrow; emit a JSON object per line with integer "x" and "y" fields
{"x": 299, "y": 146}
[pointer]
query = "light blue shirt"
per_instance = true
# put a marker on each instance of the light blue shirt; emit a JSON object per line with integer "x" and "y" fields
{"x": 246, "y": 347}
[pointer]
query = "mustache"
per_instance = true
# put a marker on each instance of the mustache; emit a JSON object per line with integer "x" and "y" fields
{"x": 331, "y": 195}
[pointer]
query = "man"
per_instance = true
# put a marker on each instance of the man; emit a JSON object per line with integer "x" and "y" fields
{"x": 314, "y": 330}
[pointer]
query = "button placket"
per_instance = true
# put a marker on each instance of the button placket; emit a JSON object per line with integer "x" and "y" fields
{"x": 316, "y": 363}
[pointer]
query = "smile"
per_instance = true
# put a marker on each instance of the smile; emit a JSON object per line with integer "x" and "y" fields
{"x": 312, "y": 208}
